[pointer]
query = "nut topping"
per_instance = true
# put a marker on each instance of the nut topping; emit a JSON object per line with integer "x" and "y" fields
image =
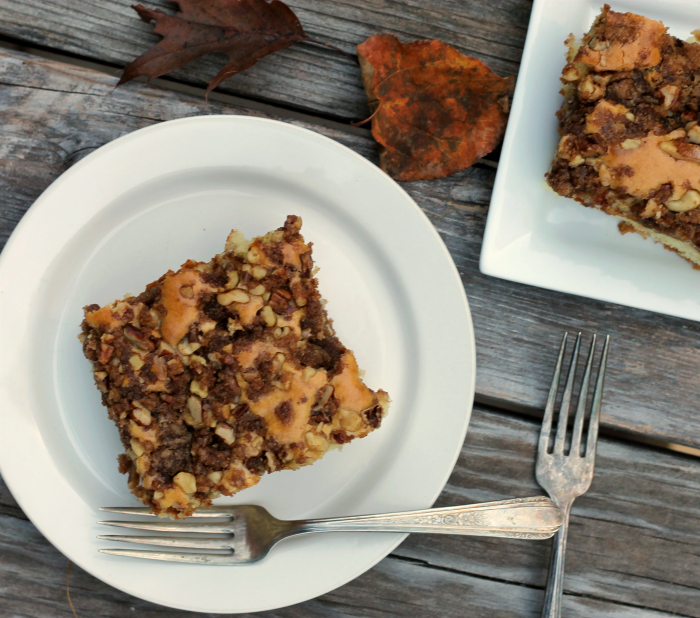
{"x": 689, "y": 201}
{"x": 630, "y": 144}
{"x": 137, "y": 447}
{"x": 141, "y": 416}
{"x": 567, "y": 147}
{"x": 186, "y": 348}
{"x": 138, "y": 338}
{"x": 234, "y": 296}
{"x": 233, "y": 279}
{"x": 570, "y": 73}
{"x": 589, "y": 90}
{"x": 670, "y": 95}
{"x": 681, "y": 150}
{"x": 694, "y": 133}
{"x": 597, "y": 44}
{"x": 269, "y": 316}
{"x": 349, "y": 420}
{"x": 259, "y": 272}
{"x": 651, "y": 209}
{"x": 186, "y": 482}
{"x": 207, "y": 327}
{"x": 198, "y": 390}
{"x": 326, "y": 394}
{"x": 194, "y": 405}
{"x": 279, "y": 303}
{"x": 165, "y": 349}
{"x": 225, "y": 432}
{"x": 253, "y": 256}
{"x": 316, "y": 442}
{"x": 106, "y": 353}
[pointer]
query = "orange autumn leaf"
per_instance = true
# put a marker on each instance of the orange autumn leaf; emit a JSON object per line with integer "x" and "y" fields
{"x": 435, "y": 111}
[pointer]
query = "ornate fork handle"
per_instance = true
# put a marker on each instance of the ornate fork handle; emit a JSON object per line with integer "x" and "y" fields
{"x": 522, "y": 518}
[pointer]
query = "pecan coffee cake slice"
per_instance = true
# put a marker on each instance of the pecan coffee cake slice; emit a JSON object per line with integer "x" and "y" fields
{"x": 630, "y": 139}
{"x": 225, "y": 370}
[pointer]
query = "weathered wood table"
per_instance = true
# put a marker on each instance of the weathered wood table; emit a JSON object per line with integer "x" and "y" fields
{"x": 634, "y": 544}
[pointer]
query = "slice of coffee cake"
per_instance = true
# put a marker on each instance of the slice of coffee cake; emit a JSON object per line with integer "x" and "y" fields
{"x": 630, "y": 139}
{"x": 226, "y": 370}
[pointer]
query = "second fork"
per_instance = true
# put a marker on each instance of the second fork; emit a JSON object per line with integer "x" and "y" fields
{"x": 567, "y": 476}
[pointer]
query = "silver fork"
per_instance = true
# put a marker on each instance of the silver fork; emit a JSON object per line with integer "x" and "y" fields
{"x": 252, "y": 531}
{"x": 567, "y": 476}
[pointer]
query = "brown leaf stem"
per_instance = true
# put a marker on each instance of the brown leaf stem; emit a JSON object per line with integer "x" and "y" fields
{"x": 366, "y": 120}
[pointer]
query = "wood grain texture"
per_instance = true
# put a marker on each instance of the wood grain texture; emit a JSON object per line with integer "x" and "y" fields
{"x": 303, "y": 77}
{"x": 634, "y": 547}
{"x": 57, "y": 113}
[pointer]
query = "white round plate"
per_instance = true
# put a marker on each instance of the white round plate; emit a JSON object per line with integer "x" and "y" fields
{"x": 146, "y": 203}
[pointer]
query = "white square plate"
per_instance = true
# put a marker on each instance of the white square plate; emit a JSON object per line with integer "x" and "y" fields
{"x": 536, "y": 237}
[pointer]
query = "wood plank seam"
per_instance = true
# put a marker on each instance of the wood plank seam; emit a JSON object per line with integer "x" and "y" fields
{"x": 569, "y": 593}
{"x": 428, "y": 565}
{"x": 170, "y": 83}
{"x": 532, "y": 412}
{"x": 655, "y": 579}
{"x": 178, "y": 86}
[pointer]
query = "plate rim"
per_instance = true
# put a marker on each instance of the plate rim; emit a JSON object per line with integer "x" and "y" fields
{"x": 24, "y": 227}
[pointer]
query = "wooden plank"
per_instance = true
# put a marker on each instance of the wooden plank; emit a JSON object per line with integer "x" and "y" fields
{"x": 634, "y": 547}
{"x": 57, "y": 113}
{"x": 303, "y": 77}
{"x": 633, "y": 536}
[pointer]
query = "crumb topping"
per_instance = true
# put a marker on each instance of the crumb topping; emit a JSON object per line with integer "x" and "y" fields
{"x": 225, "y": 370}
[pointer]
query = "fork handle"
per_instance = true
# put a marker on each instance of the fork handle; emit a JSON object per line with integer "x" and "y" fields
{"x": 522, "y": 518}
{"x": 555, "y": 579}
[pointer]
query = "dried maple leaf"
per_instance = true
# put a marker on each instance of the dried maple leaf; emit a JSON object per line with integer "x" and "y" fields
{"x": 245, "y": 30}
{"x": 435, "y": 111}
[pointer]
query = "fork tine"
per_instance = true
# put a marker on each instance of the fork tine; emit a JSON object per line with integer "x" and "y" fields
{"x": 582, "y": 400}
{"x": 172, "y": 526}
{"x": 551, "y": 399}
{"x": 595, "y": 410}
{"x": 128, "y": 510}
{"x": 213, "y": 559}
{"x": 144, "y": 510}
{"x": 170, "y": 541}
{"x": 566, "y": 400}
